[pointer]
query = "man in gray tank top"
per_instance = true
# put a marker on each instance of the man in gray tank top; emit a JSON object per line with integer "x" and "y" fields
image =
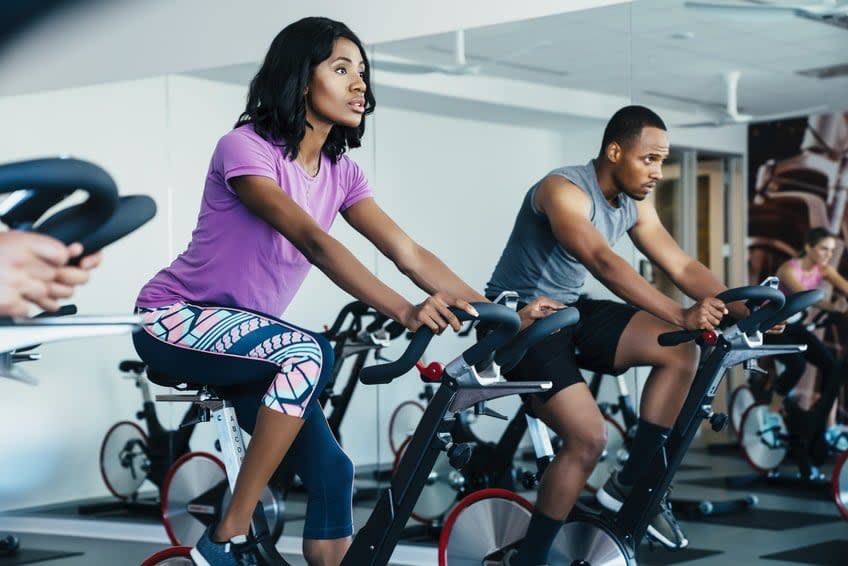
{"x": 565, "y": 229}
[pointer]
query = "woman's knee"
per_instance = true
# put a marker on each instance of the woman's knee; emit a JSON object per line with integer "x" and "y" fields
{"x": 305, "y": 362}
{"x": 335, "y": 462}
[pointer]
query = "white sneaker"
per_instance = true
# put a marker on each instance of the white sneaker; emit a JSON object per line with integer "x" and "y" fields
{"x": 770, "y": 427}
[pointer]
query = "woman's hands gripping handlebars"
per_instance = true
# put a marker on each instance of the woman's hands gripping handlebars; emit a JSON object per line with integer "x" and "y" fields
{"x": 508, "y": 350}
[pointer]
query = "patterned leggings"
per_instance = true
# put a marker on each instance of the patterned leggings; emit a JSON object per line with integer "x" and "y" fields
{"x": 249, "y": 356}
{"x": 243, "y": 333}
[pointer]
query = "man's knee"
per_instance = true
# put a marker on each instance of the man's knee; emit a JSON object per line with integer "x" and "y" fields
{"x": 684, "y": 359}
{"x": 587, "y": 445}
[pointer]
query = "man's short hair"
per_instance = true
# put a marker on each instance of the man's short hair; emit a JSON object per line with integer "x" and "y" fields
{"x": 627, "y": 124}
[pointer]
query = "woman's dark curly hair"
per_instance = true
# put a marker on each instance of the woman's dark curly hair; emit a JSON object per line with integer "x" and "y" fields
{"x": 276, "y": 103}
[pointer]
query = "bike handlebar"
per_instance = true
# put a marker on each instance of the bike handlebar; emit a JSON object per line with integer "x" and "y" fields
{"x": 775, "y": 299}
{"x": 355, "y": 308}
{"x": 508, "y": 325}
{"x": 795, "y": 303}
{"x": 42, "y": 183}
{"x": 56, "y": 178}
{"x": 508, "y": 356}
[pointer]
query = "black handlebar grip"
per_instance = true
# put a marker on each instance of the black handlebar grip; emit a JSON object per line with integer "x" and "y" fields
{"x": 508, "y": 356}
{"x": 385, "y": 373}
{"x": 395, "y": 329}
{"x": 505, "y": 317}
{"x": 132, "y": 212}
{"x": 22, "y": 209}
{"x": 677, "y": 337}
{"x": 795, "y": 303}
{"x": 379, "y": 320}
{"x": 56, "y": 175}
{"x": 508, "y": 324}
{"x": 752, "y": 292}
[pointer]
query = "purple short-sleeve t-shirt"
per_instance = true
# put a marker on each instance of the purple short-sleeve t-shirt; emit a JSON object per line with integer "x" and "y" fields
{"x": 237, "y": 259}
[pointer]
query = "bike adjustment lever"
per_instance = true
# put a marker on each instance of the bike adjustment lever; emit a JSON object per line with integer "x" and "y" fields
{"x": 752, "y": 366}
{"x": 480, "y": 408}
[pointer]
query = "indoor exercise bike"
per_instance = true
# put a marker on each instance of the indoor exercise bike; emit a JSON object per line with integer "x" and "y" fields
{"x": 799, "y": 434}
{"x": 460, "y": 386}
{"x": 590, "y": 537}
{"x": 492, "y": 463}
{"x": 104, "y": 217}
{"x": 758, "y": 386}
{"x": 616, "y": 453}
{"x": 129, "y": 455}
{"x": 356, "y": 340}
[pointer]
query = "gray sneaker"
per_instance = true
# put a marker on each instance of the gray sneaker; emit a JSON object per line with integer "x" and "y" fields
{"x": 663, "y": 528}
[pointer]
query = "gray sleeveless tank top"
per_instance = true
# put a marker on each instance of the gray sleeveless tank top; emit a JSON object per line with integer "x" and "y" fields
{"x": 534, "y": 264}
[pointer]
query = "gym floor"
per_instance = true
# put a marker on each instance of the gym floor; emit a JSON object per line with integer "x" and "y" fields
{"x": 787, "y": 526}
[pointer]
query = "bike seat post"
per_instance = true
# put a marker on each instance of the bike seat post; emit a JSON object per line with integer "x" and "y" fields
{"x": 541, "y": 438}
{"x": 230, "y": 437}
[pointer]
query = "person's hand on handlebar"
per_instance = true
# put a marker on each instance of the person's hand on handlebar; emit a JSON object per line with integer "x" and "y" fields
{"x": 34, "y": 270}
{"x": 538, "y": 308}
{"x": 435, "y": 313}
{"x": 706, "y": 314}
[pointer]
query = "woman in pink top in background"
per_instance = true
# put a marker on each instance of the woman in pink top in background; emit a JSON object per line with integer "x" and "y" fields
{"x": 275, "y": 184}
{"x": 803, "y": 273}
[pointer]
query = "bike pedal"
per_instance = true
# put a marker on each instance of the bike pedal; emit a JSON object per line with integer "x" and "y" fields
{"x": 460, "y": 454}
{"x": 529, "y": 480}
{"x": 718, "y": 421}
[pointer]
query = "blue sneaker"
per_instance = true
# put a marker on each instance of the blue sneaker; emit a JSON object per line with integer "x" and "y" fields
{"x": 207, "y": 552}
{"x": 837, "y": 438}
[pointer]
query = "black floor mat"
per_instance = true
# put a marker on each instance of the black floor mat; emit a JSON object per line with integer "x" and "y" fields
{"x": 658, "y": 556}
{"x": 34, "y": 556}
{"x": 759, "y": 486}
{"x": 691, "y": 467}
{"x": 829, "y": 553}
{"x": 768, "y": 519}
{"x": 723, "y": 448}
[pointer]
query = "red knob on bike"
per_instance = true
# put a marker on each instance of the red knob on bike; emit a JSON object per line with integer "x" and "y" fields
{"x": 709, "y": 337}
{"x": 430, "y": 373}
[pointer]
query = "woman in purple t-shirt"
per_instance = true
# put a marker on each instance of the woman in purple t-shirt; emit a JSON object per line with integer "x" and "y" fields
{"x": 275, "y": 184}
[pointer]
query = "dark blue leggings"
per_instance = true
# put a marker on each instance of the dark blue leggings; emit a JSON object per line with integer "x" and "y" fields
{"x": 324, "y": 468}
